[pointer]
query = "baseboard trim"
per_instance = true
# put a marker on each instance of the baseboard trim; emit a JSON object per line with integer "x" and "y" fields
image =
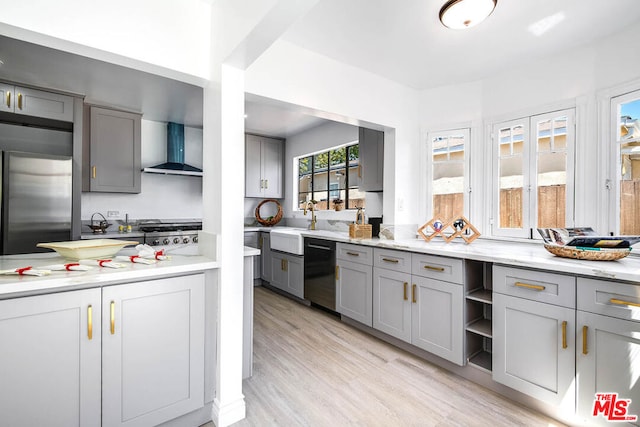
{"x": 229, "y": 413}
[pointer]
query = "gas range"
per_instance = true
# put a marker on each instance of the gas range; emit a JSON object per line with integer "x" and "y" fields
{"x": 171, "y": 235}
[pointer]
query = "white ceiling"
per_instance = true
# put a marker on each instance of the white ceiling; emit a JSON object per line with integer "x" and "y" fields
{"x": 405, "y": 42}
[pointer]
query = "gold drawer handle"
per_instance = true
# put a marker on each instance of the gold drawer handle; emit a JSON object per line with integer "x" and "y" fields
{"x": 432, "y": 268}
{"x": 8, "y": 99}
{"x": 93, "y": 172}
{"x": 585, "y": 329}
{"x": 623, "y": 302}
{"x": 337, "y": 272}
{"x": 404, "y": 291}
{"x": 528, "y": 286}
{"x": 19, "y": 101}
{"x": 113, "y": 317}
{"x": 353, "y": 254}
{"x": 90, "y": 322}
{"x": 564, "y": 334}
{"x": 395, "y": 261}
{"x": 413, "y": 293}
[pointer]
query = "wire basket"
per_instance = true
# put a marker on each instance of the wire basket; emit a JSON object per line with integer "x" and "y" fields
{"x": 587, "y": 254}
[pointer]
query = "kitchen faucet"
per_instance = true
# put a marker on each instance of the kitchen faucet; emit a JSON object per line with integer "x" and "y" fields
{"x": 310, "y": 206}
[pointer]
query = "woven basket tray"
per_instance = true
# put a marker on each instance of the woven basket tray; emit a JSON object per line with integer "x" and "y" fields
{"x": 591, "y": 255}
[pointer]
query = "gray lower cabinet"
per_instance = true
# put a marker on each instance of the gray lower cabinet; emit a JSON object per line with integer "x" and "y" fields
{"x": 253, "y": 239}
{"x": 152, "y": 351}
{"x": 37, "y": 103}
{"x": 112, "y": 142}
{"x": 354, "y": 291}
{"x": 50, "y": 365}
{"x": 287, "y": 273}
{"x": 608, "y": 346}
{"x": 534, "y": 340}
{"x": 410, "y": 304}
{"x": 265, "y": 257}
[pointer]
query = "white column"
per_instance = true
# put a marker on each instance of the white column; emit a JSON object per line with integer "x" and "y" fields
{"x": 223, "y": 199}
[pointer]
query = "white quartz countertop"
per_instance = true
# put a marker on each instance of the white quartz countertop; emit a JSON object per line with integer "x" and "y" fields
{"x": 14, "y": 285}
{"x": 531, "y": 255}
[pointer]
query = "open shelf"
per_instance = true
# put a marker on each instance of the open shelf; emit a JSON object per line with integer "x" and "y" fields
{"x": 481, "y": 360}
{"x": 481, "y": 295}
{"x": 481, "y": 326}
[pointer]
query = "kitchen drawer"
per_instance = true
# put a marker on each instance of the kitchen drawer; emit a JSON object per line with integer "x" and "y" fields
{"x": 614, "y": 299}
{"x": 437, "y": 267}
{"x": 355, "y": 253}
{"x": 392, "y": 260}
{"x": 551, "y": 288}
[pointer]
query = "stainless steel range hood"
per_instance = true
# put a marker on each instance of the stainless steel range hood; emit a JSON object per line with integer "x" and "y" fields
{"x": 175, "y": 164}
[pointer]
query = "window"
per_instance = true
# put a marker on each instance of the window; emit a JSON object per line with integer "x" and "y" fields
{"x": 330, "y": 175}
{"x": 450, "y": 166}
{"x": 533, "y": 174}
{"x": 625, "y": 111}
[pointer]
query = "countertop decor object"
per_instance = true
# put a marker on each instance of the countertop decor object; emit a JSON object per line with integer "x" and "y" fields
{"x": 459, "y": 226}
{"x": 591, "y": 254}
{"x": 272, "y": 220}
{"x": 358, "y": 229}
{"x": 99, "y": 226}
{"x": 88, "y": 249}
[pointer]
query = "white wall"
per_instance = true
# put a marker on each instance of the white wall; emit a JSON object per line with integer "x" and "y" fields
{"x": 571, "y": 78}
{"x": 291, "y": 74}
{"x": 167, "y": 33}
{"x": 161, "y": 196}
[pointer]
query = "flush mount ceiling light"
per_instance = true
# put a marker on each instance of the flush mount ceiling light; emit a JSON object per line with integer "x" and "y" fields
{"x": 459, "y": 14}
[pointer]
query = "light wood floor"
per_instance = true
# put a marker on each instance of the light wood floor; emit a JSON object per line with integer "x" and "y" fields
{"x": 310, "y": 369}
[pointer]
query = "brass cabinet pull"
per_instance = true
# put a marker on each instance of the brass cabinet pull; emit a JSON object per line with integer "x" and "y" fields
{"x": 284, "y": 264}
{"x": 404, "y": 293}
{"x": 337, "y": 272}
{"x": 585, "y": 329}
{"x": 19, "y": 101}
{"x": 623, "y": 302}
{"x": 564, "y": 334}
{"x": 528, "y": 286}
{"x": 93, "y": 172}
{"x": 8, "y": 99}
{"x": 113, "y": 317}
{"x": 90, "y": 322}
{"x": 260, "y": 241}
{"x": 359, "y": 171}
{"x": 413, "y": 293}
{"x": 432, "y": 268}
{"x": 353, "y": 253}
{"x": 395, "y": 261}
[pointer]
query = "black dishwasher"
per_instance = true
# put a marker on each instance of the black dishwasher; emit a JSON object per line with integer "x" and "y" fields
{"x": 319, "y": 272}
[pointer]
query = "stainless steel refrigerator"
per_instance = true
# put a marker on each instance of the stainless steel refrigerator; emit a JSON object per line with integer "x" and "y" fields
{"x": 36, "y": 200}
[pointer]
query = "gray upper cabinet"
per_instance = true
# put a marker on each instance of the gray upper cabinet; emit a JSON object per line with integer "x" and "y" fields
{"x": 263, "y": 167}
{"x": 371, "y": 169}
{"x": 37, "y": 103}
{"x": 113, "y": 151}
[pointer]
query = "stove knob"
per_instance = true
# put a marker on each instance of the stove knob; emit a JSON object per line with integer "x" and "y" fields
{"x": 166, "y": 241}
{"x": 185, "y": 240}
{"x": 195, "y": 239}
{"x": 155, "y": 242}
{"x": 176, "y": 240}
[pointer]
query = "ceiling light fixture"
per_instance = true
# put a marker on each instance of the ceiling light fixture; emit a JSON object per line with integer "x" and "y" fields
{"x": 459, "y": 14}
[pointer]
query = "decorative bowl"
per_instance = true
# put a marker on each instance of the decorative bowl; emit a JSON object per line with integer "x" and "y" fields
{"x": 88, "y": 249}
{"x": 593, "y": 254}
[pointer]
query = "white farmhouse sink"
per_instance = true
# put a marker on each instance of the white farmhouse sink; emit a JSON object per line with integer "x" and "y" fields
{"x": 287, "y": 240}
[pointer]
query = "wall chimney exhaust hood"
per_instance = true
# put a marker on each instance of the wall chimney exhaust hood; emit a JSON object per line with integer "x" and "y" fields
{"x": 175, "y": 164}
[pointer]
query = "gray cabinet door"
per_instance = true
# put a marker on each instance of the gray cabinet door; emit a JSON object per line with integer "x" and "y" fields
{"x": 354, "y": 291}
{"x": 272, "y": 168}
{"x": 265, "y": 257}
{"x": 371, "y": 146}
{"x": 294, "y": 267}
{"x": 39, "y": 103}
{"x": 50, "y": 362}
{"x": 528, "y": 350}
{"x": 7, "y": 94}
{"x": 153, "y": 350}
{"x": 607, "y": 361}
{"x": 279, "y": 275}
{"x": 437, "y": 318}
{"x": 253, "y": 167}
{"x": 115, "y": 164}
{"x": 392, "y": 303}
